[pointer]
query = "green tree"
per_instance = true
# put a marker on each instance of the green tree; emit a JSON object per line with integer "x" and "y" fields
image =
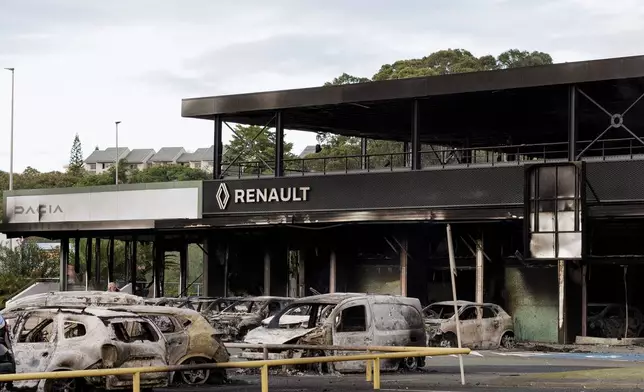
{"x": 252, "y": 151}
{"x": 443, "y": 62}
{"x": 76, "y": 157}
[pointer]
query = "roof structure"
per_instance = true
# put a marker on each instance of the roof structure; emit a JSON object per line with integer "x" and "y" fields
{"x": 306, "y": 151}
{"x": 167, "y": 154}
{"x": 528, "y": 105}
{"x": 139, "y": 155}
{"x": 107, "y": 155}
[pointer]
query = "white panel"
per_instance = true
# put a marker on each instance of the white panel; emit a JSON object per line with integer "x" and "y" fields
{"x": 148, "y": 204}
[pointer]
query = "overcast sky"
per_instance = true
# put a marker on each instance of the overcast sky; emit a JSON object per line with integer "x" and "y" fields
{"x": 83, "y": 64}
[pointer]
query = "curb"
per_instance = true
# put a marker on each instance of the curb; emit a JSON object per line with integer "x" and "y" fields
{"x": 571, "y": 384}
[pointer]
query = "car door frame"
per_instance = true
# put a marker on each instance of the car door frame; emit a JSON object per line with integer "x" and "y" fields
{"x": 24, "y": 351}
{"x": 338, "y": 338}
{"x": 467, "y": 325}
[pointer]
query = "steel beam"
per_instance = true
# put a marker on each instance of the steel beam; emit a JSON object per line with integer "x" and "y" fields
{"x": 218, "y": 148}
{"x": 572, "y": 123}
{"x": 64, "y": 261}
{"x": 279, "y": 145}
{"x": 363, "y": 153}
{"x": 415, "y": 138}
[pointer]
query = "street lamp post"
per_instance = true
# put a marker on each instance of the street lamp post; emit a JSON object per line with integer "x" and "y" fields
{"x": 116, "y": 164}
{"x": 13, "y": 89}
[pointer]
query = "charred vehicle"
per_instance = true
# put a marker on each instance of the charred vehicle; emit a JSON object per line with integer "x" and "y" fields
{"x": 64, "y": 339}
{"x": 241, "y": 316}
{"x": 609, "y": 321}
{"x": 344, "y": 319}
{"x": 7, "y": 362}
{"x": 76, "y": 298}
{"x": 191, "y": 341}
{"x": 481, "y": 325}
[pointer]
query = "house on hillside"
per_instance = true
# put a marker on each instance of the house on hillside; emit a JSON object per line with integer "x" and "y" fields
{"x": 139, "y": 158}
{"x": 166, "y": 156}
{"x": 101, "y": 160}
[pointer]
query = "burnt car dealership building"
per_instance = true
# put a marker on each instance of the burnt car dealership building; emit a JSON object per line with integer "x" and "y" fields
{"x": 539, "y": 171}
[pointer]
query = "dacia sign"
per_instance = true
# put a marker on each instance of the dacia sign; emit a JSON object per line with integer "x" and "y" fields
{"x": 261, "y": 195}
{"x": 37, "y": 210}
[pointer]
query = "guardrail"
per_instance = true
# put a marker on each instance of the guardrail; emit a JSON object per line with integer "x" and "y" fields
{"x": 372, "y": 366}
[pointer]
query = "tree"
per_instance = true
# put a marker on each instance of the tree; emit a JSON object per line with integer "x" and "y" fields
{"x": 443, "y": 62}
{"x": 252, "y": 150}
{"x": 76, "y": 157}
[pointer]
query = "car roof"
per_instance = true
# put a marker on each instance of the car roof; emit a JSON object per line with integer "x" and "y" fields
{"x": 89, "y": 310}
{"x": 136, "y": 309}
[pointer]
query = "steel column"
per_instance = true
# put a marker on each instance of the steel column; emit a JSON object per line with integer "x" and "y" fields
{"x": 406, "y": 154}
{"x": 415, "y": 138}
{"x": 97, "y": 269}
{"x": 267, "y": 273}
{"x": 363, "y": 153}
{"x": 88, "y": 262}
{"x": 157, "y": 267}
{"x": 332, "y": 272}
{"x": 479, "y": 274}
{"x": 183, "y": 270}
{"x": 64, "y": 261}
{"x": 76, "y": 255}
{"x": 279, "y": 145}
{"x": 584, "y": 299}
{"x": 572, "y": 123}
{"x": 403, "y": 267}
{"x": 110, "y": 262}
{"x": 133, "y": 260}
{"x": 218, "y": 148}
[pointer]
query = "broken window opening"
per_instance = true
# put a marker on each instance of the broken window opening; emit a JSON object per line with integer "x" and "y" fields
{"x": 132, "y": 331}
{"x": 353, "y": 319}
{"x": 74, "y": 329}
{"x": 469, "y": 314}
{"x": 41, "y": 332}
{"x": 488, "y": 312}
{"x": 164, "y": 323}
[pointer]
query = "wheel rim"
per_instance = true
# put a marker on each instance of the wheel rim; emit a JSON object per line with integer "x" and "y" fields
{"x": 63, "y": 385}
{"x": 508, "y": 341}
{"x": 446, "y": 343}
{"x": 195, "y": 377}
{"x": 411, "y": 363}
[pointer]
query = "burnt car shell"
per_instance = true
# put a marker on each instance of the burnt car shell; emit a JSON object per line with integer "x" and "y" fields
{"x": 244, "y": 315}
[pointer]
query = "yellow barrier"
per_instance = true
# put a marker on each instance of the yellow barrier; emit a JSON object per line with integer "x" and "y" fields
{"x": 372, "y": 366}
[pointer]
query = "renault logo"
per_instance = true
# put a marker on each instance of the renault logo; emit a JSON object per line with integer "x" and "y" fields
{"x": 222, "y": 196}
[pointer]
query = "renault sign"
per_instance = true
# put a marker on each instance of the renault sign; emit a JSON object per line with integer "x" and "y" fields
{"x": 261, "y": 195}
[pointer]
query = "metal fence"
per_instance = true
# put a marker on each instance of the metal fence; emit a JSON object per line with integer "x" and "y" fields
{"x": 372, "y": 359}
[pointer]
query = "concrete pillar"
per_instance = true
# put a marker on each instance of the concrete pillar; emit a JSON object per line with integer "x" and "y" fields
{"x": 267, "y": 273}
{"x": 561, "y": 318}
{"x": 479, "y": 272}
{"x": 64, "y": 261}
{"x": 332, "y": 272}
{"x": 403, "y": 267}
{"x": 584, "y": 299}
{"x": 183, "y": 270}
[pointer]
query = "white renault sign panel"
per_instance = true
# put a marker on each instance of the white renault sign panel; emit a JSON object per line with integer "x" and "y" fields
{"x": 148, "y": 204}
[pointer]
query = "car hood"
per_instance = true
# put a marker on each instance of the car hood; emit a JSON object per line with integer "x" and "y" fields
{"x": 287, "y": 320}
{"x": 263, "y": 335}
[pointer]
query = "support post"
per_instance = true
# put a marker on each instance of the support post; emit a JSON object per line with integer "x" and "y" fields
{"x": 584, "y": 300}
{"x": 572, "y": 123}
{"x": 332, "y": 272}
{"x": 218, "y": 149}
{"x": 157, "y": 267}
{"x": 415, "y": 138}
{"x": 76, "y": 256}
{"x": 406, "y": 154}
{"x": 110, "y": 262}
{"x": 301, "y": 278}
{"x": 64, "y": 261}
{"x": 363, "y": 153}
{"x": 403, "y": 267}
{"x": 88, "y": 262}
{"x": 133, "y": 261}
{"x": 279, "y": 145}
{"x": 479, "y": 273}
{"x": 452, "y": 270}
{"x": 97, "y": 269}
{"x": 267, "y": 273}
{"x": 183, "y": 270}
{"x": 561, "y": 318}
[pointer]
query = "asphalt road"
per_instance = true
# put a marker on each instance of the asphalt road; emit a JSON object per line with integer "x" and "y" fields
{"x": 482, "y": 372}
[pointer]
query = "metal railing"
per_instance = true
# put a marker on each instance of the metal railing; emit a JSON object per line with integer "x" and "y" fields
{"x": 445, "y": 156}
{"x": 372, "y": 364}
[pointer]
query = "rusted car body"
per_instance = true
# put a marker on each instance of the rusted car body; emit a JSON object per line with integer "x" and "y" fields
{"x": 191, "y": 340}
{"x": 609, "y": 321}
{"x": 76, "y": 298}
{"x": 64, "y": 339}
{"x": 344, "y": 319}
{"x": 482, "y": 326}
{"x": 232, "y": 323}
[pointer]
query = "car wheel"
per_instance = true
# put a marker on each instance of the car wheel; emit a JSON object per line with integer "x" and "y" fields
{"x": 65, "y": 385}
{"x": 448, "y": 341}
{"x": 508, "y": 341}
{"x": 412, "y": 364}
{"x": 195, "y": 377}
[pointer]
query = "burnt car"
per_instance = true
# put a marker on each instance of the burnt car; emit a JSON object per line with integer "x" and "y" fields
{"x": 7, "y": 361}
{"x": 344, "y": 319}
{"x": 482, "y": 326}
{"x": 191, "y": 341}
{"x": 63, "y": 339}
{"x": 241, "y": 316}
{"x": 75, "y": 298}
{"x": 609, "y": 321}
